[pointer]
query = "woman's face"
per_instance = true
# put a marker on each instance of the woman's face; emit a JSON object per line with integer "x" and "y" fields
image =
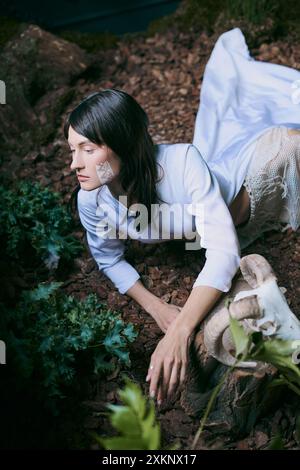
{"x": 97, "y": 164}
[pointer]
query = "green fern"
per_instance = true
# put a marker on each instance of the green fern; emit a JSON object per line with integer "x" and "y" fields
{"x": 135, "y": 421}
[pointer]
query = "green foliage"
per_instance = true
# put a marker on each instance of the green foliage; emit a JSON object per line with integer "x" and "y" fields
{"x": 255, "y": 11}
{"x": 135, "y": 421}
{"x": 241, "y": 340}
{"x": 48, "y": 329}
{"x": 202, "y": 14}
{"x": 198, "y": 14}
{"x": 274, "y": 351}
{"x": 276, "y": 443}
{"x": 254, "y": 347}
{"x": 32, "y": 218}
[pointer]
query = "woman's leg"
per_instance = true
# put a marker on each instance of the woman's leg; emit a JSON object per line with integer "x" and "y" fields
{"x": 240, "y": 208}
{"x": 273, "y": 185}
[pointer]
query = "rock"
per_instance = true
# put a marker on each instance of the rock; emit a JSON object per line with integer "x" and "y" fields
{"x": 33, "y": 64}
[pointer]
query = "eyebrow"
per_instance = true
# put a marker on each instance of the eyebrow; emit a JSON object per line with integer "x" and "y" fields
{"x": 83, "y": 142}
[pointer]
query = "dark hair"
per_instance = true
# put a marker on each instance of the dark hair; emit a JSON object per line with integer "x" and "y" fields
{"x": 115, "y": 118}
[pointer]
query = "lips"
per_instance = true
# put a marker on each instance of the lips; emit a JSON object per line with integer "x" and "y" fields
{"x": 82, "y": 177}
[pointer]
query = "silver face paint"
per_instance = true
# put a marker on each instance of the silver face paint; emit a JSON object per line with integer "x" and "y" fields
{"x": 105, "y": 172}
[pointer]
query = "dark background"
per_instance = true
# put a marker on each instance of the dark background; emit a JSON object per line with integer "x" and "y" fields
{"x": 116, "y": 16}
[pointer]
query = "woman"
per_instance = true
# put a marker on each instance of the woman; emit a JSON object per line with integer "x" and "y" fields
{"x": 214, "y": 197}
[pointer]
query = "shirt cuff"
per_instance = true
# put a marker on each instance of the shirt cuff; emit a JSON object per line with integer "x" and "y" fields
{"x": 218, "y": 271}
{"x": 122, "y": 274}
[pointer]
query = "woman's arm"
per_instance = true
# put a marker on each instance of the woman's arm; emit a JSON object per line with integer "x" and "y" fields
{"x": 171, "y": 355}
{"x": 199, "y": 303}
{"x": 143, "y": 297}
{"x": 163, "y": 313}
{"x": 109, "y": 256}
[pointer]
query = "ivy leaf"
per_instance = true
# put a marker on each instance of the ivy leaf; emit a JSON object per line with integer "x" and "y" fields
{"x": 43, "y": 291}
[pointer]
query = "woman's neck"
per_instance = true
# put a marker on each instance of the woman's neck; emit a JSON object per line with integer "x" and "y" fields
{"x": 116, "y": 188}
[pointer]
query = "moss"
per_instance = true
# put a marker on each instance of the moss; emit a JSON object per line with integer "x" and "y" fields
{"x": 196, "y": 14}
{"x": 289, "y": 17}
{"x": 202, "y": 15}
{"x": 253, "y": 11}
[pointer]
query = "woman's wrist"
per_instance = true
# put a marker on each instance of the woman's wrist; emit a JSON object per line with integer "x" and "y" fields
{"x": 200, "y": 302}
{"x": 185, "y": 323}
{"x": 152, "y": 305}
{"x": 144, "y": 297}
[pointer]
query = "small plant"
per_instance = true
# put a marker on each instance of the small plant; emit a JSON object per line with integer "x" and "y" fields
{"x": 254, "y": 347}
{"x": 278, "y": 352}
{"x": 135, "y": 421}
{"x": 32, "y": 219}
{"x": 48, "y": 330}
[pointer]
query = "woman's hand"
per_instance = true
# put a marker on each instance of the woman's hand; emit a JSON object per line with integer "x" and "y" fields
{"x": 164, "y": 314}
{"x": 168, "y": 362}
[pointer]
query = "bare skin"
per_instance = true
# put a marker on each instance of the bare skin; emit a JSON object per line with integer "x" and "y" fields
{"x": 240, "y": 207}
{"x": 293, "y": 131}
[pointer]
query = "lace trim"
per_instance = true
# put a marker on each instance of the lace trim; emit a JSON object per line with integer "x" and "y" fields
{"x": 274, "y": 198}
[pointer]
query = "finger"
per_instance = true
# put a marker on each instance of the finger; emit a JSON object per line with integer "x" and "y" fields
{"x": 167, "y": 370}
{"x": 159, "y": 394}
{"x": 182, "y": 373}
{"x": 154, "y": 380}
{"x": 149, "y": 373}
{"x": 174, "y": 378}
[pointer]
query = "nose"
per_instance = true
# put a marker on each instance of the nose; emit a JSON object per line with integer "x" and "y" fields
{"x": 77, "y": 161}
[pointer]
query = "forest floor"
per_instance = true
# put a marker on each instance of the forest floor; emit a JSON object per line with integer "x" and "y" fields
{"x": 164, "y": 74}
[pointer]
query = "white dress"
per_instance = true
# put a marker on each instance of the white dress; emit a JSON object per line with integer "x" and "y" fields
{"x": 241, "y": 131}
{"x": 238, "y": 106}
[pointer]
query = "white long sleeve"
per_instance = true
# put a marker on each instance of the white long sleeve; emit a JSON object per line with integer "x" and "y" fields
{"x": 108, "y": 253}
{"x": 213, "y": 222}
{"x": 187, "y": 180}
